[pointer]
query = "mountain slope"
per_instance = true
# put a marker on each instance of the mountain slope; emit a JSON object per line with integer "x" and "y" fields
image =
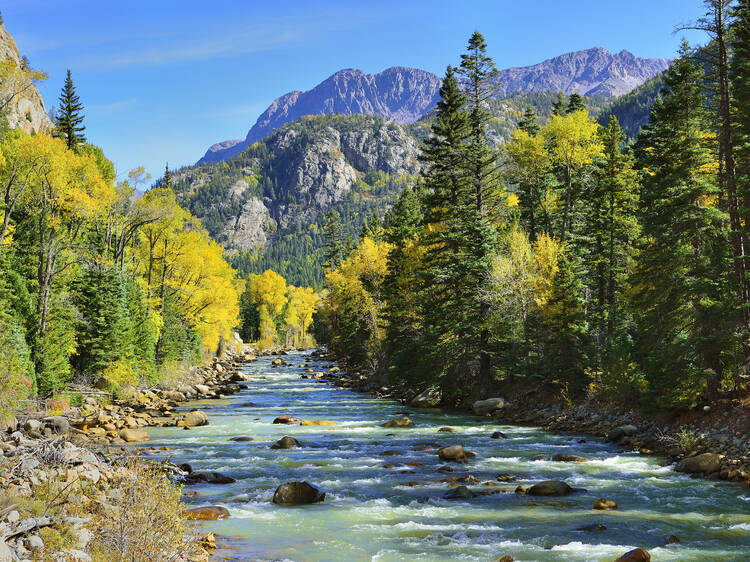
{"x": 404, "y": 95}
{"x": 25, "y": 109}
{"x": 398, "y": 94}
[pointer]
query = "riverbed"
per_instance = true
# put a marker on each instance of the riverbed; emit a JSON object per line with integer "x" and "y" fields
{"x": 394, "y": 514}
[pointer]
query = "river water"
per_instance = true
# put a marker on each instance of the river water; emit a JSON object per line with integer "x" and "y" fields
{"x": 373, "y": 513}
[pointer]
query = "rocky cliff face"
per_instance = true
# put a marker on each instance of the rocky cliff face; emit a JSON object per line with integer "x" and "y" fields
{"x": 399, "y": 94}
{"x": 591, "y": 72}
{"x": 404, "y": 95}
{"x": 26, "y": 108}
{"x": 292, "y": 176}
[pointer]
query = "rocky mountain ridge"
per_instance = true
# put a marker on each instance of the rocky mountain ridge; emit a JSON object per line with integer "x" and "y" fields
{"x": 404, "y": 95}
{"x": 25, "y": 109}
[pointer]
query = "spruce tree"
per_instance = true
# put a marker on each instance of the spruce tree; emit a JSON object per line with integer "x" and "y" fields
{"x": 678, "y": 283}
{"x": 560, "y": 107}
{"x": 575, "y": 103}
{"x": 167, "y": 182}
{"x": 335, "y": 243}
{"x": 69, "y": 119}
{"x": 530, "y": 121}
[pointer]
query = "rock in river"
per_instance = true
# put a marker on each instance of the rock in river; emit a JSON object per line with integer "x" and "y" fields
{"x": 133, "y": 435}
{"x": 208, "y": 513}
{"x": 484, "y": 407}
{"x": 241, "y": 438}
{"x": 317, "y": 422}
{"x": 298, "y": 493}
{"x": 637, "y": 555}
{"x": 193, "y": 419}
{"x": 499, "y": 435}
{"x": 452, "y": 453}
{"x": 707, "y": 463}
{"x": 460, "y": 493}
{"x": 286, "y": 443}
{"x": 286, "y": 420}
{"x": 550, "y": 488}
{"x": 604, "y": 505}
{"x": 400, "y": 422}
{"x": 567, "y": 458}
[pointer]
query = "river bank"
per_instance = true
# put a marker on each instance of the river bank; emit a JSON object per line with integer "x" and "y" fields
{"x": 60, "y": 472}
{"x": 712, "y": 442}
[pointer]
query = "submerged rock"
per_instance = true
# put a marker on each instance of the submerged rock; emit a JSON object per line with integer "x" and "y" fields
{"x": 208, "y": 513}
{"x": 400, "y": 422}
{"x": 317, "y": 422}
{"x": 567, "y": 458}
{"x": 286, "y": 443}
{"x": 604, "y": 505}
{"x": 286, "y": 420}
{"x": 671, "y": 539}
{"x": 210, "y": 478}
{"x": 241, "y": 438}
{"x": 505, "y": 478}
{"x": 298, "y": 493}
{"x": 499, "y": 435}
{"x": 550, "y": 488}
{"x": 447, "y": 430}
{"x": 591, "y": 527}
{"x": 459, "y": 493}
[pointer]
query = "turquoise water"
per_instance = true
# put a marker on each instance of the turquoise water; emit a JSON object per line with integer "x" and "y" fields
{"x": 371, "y": 513}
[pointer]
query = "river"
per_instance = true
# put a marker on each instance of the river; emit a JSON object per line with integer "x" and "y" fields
{"x": 375, "y": 513}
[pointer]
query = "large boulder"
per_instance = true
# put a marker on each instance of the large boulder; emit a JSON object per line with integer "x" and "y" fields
{"x": 286, "y": 443}
{"x": 454, "y": 453}
{"x": 567, "y": 458}
{"x": 400, "y": 422}
{"x": 193, "y": 419}
{"x": 550, "y": 488}
{"x": 707, "y": 463}
{"x": 486, "y": 407}
{"x": 604, "y": 504}
{"x": 637, "y": 555}
{"x": 428, "y": 398}
{"x": 298, "y": 493}
{"x": 208, "y": 513}
{"x": 58, "y": 424}
{"x": 133, "y": 435}
{"x": 622, "y": 431}
{"x": 459, "y": 493}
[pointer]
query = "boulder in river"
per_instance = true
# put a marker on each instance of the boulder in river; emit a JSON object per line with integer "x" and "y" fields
{"x": 636, "y": 555}
{"x": 591, "y": 527}
{"x": 567, "y": 458}
{"x": 298, "y": 493}
{"x": 277, "y": 362}
{"x": 486, "y": 407}
{"x": 286, "y": 420}
{"x": 499, "y": 435}
{"x": 286, "y": 443}
{"x": 317, "y": 422}
{"x": 446, "y": 430}
{"x": 707, "y": 463}
{"x": 207, "y": 513}
{"x": 454, "y": 453}
{"x": 550, "y": 488}
{"x": 459, "y": 493}
{"x": 241, "y": 438}
{"x": 210, "y": 478}
{"x": 428, "y": 398}
{"x": 133, "y": 435}
{"x": 193, "y": 419}
{"x": 604, "y": 505}
{"x": 671, "y": 539}
{"x": 399, "y": 422}
{"x": 505, "y": 478}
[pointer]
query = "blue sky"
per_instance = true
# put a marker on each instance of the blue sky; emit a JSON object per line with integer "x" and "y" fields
{"x": 163, "y": 80}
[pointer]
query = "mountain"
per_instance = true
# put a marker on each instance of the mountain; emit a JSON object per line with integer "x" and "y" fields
{"x": 593, "y": 72}
{"x": 404, "y": 95}
{"x": 398, "y": 94}
{"x": 25, "y": 108}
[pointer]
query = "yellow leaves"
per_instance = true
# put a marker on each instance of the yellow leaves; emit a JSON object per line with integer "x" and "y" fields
{"x": 573, "y": 139}
{"x": 269, "y": 289}
{"x": 547, "y": 251}
{"x": 512, "y": 200}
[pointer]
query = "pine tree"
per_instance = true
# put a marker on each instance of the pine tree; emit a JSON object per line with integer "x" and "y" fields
{"x": 678, "y": 283}
{"x": 336, "y": 245}
{"x": 560, "y": 107}
{"x": 575, "y": 103}
{"x": 530, "y": 121}
{"x": 69, "y": 119}
{"x": 167, "y": 182}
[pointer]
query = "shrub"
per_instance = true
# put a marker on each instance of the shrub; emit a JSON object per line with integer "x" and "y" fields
{"x": 687, "y": 439}
{"x": 145, "y": 522}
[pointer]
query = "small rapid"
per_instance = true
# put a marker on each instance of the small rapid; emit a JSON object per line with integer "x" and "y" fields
{"x": 394, "y": 514}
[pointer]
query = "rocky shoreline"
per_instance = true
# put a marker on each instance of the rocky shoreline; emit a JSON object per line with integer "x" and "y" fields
{"x": 78, "y": 457}
{"x": 713, "y": 443}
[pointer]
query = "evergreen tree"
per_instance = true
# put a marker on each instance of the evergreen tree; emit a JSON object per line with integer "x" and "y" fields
{"x": 575, "y": 103}
{"x": 530, "y": 121}
{"x": 609, "y": 232}
{"x": 69, "y": 119}
{"x": 479, "y": 74}
{"x": 560, "y": 107}
{"x": 167, "y": 182}
{"x": 678, "y": 284}
{"x": 336, "y": 245}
